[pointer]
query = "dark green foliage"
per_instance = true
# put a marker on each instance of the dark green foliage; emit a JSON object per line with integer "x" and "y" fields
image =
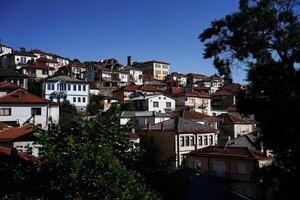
{"x": 35, "y": 87}
{"x": 264, "y": 37}
{"x": 67, "y": 113}
{"x": 93, "y": 159}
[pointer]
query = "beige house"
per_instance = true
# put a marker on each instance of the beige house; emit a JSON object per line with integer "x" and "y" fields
{"x": 232, "y": 126}
{"x": 234, "y": 166}
{"x": 195, "y": 101}
{"x": 177, "y": 137}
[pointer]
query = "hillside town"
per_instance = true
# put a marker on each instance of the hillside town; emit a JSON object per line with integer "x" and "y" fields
{"x": 191, "y": 117}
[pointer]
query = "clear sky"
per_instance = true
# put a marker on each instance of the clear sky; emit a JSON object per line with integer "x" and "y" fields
{"x": 164, "y": 30}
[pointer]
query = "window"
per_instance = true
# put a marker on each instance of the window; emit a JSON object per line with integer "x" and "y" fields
{"x": 79, "y": 87}
{"x": 84, "y": 88}
{"x": 182, "y": 141}
{"x": 52, "y": 86}
{"x": 155, "y": 104}
{"x": 187, "y": 141}
{"x": 69, "y": 87}
{"x": 168, "y": 104}
{"x": 205, "y": 140}
{"x": 74, "y": 99}
{"x": 48, "y": 86}
{"x": 200, "y": 140}
{"x": 241, "y": 168}
{"x": 79, "y": 99}
{"x": 197, "y": 164}
{"x": 165, "y": 66}
{"x": 211, "y": 140}
{"x": 45, "y": 72}
{"x": 36, "y": 111}
{"x": 157, "y": 65}
{"x": 74, "y": 87}
{"x": 83, "y": 99}
{"x": 192, "y": 140}
{"x": 5, "y": 111}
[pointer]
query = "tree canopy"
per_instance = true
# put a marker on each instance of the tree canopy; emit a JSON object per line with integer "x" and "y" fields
{"x": 264, "y": 38}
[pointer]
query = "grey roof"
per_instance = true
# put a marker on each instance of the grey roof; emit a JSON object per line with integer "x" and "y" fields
{"x": 250, "y": 140}
{"x": 129, "y": 114}
{"x": 182, "y": 125}
{"x": 65, "y": 78}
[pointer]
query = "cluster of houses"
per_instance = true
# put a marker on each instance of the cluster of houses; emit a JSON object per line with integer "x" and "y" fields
{"x": 191, "y": 118}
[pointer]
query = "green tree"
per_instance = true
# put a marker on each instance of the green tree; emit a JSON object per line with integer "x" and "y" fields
{"x": 264, "y": 36}
{"x": 94, "y": 159}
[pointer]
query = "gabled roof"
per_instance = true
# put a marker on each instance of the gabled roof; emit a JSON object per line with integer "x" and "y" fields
{"x": 23, "y": 53}
{"x": 38, "y": 51}
{"x": 236, "y": 152}
{"x": 7, "y": 86}
{"x": 176, "y": 90}
{"x": 65, "y": 78}
{"x": 222, "y": 93}
{"x": 181, "y": 125}
{"x": 192, "y": 94}
{"x": 144, "y": 88}
{"x": 230, "y": 119}
{"x": 21, "y": 96}
{"x": 14, "y": 133}
{"x": 46, "y": 60}
{"x": 196, "y": 116}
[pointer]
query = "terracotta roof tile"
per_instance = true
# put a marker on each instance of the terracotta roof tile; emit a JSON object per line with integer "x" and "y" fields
{"x": 7, "y": 86}
{"x": 176, "y": 90}
{"x": 193, "y": 94}
{"x": 13, "y": 133}
{"x": 145, "y": 88}
{"x": 7, "y": 152}
{"x": 228, "y": 118}
{"x": 21, "y": 96}
{"x": 3, "y": 126}
{"x": 238, "y": 152}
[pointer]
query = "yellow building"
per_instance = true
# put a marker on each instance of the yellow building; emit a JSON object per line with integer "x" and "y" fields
{"x": 156, "y": 69}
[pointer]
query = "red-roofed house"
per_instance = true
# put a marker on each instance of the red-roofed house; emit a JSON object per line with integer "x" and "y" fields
{"x": 199, "y": 102}
{"x": 20, "y": 106}
{"x": 21, "y": 138}
{"x": 7, "y": 87}
{"x": 232, "y": 126}
{"x": 233, "y": 165}
{"x": 130, "y": 91}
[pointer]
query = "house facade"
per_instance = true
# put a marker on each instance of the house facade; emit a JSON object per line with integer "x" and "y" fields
{"x": 62, "y": 88}
{"x": 5, "y": 50}
{"x": 177, "y": 137}
{"x": 198, "y": 102}
{"x": 21, "y": 107}
{"x": 155, "y": 102}
{"x": 12, "y": 76}
{"x": 233, "y": 166}
{"x": 156, "y": 69}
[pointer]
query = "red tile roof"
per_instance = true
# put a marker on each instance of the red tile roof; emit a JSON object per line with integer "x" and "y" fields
{"x": 176, "y": 90}
{"x": 222, "y": 93}
{"x": 144, "y": 88}
{"x": 21, "y": 96}
{"x": 45, "y": 60}
{"x": 3, "y": 126}
{"x": 7, "y": 86}
{"x": 201, "y": 88}
{"x": 38, "y": 51}
{"x": 14, "y": 133}
{"x": 7, "y": 152}
{"x": 197, "y": 75}
{"x": 192, "y": 115}
{"x": 228, "y": 118}
{"x": 193, "y": 94}
{"x": 77, "y": 64}
{"x": 236, "y": 152}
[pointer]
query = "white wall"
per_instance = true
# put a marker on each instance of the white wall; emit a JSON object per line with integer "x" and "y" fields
{"x": 137, "y": 76}
{"x": 161, "y": 99}
{"x": 21, "y": 113}
{"x": 71, "y": 94}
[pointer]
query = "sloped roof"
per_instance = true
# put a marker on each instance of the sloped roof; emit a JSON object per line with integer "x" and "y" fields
{"x": 145, "y": 88}
{"x": 65, "y": 78}
{"x": 222, "y": 93}
{"x": 176, "y": 90}
{"x": 182, "y": 125}
{"x": 228, "y": 118}
{"x": 196, "y": 116}
{"x": 194, "y": 75}
{"x": 237, "y": 152}
{"x": 14, "y": 133}
{"x": 3, "y": 126}
{"x": 21, "y": 96}
{"x": 7, "y": 86}
{"x": 192, "y": 94}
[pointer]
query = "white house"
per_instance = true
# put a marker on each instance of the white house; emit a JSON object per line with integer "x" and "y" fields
{"x": 16, "y": 59}
{"x": 62, "y": 88}
{"x": 136, "y": 76}
{"x": 5, "y": 49}
{"x": 155, "y": 102}
{"x": 21, "y": 107}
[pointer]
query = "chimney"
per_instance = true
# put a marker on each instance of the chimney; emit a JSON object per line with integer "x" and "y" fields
{"x": 129, "y": 61}
{"x": 22, "y": 49}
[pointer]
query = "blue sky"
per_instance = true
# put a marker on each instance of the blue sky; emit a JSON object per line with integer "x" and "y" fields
{"x": 164, "y": 30}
